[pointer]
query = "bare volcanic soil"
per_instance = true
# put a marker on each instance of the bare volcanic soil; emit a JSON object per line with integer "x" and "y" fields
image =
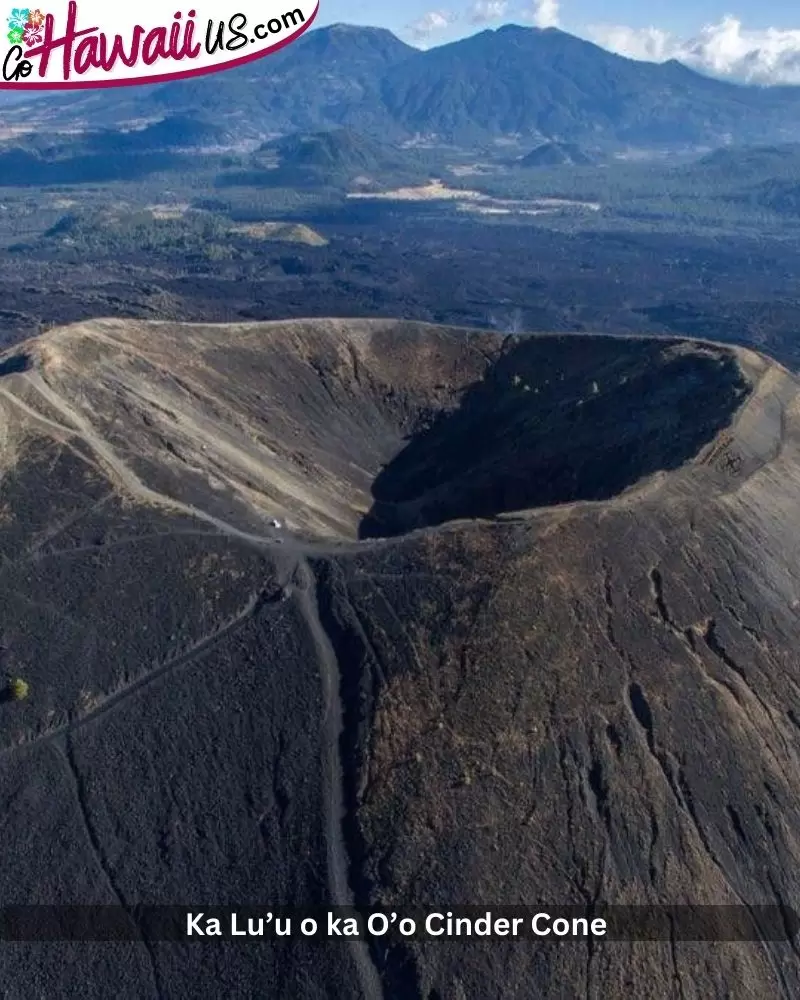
{"x": 376, "y": 612}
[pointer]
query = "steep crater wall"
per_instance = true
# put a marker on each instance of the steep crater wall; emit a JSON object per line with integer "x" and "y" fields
{"x": 556, "y": 420}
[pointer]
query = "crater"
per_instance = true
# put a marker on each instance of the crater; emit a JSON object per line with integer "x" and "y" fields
{"x": 557, "y": 420}
{"x": 363, "y": 429}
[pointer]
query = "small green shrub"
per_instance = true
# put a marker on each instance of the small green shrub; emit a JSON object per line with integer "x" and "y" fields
{"x": 18, "y": 689}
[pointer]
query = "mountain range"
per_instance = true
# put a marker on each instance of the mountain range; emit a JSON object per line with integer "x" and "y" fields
{"x": 534, "y": 84}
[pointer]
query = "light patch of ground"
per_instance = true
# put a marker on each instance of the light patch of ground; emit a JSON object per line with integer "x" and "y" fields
{"x": 475, "y": 201}
{"x": 139, "y": 124}
{"x": 641, "y": 155}
{"x": 64, "y": 203}
{"x": 469, "y": 169}
{"x": 435, "y": 190}
{"x": 10, "y": 131}
{"x": 421, "y": 142}
{"x": 115, "y": 213}
{"x": 176, "y": 211}
{"x": 485, "y": 210}
{"x": 540, "y": 206}
{"x": 286, "y": 232}
{"x": 551, "y": 203}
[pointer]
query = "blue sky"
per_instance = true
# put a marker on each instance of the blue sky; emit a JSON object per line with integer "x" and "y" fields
{"x": 684, "y": 17}
{"x": 756, "y": 42}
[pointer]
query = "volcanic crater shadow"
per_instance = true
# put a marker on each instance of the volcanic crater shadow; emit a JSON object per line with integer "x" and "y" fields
{"x": 20, "y": 362}
{"x": 555, "y": 420}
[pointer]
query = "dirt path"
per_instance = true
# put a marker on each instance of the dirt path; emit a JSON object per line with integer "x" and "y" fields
{"x": 121, "y": 474}
{"x": 332, "y": 777}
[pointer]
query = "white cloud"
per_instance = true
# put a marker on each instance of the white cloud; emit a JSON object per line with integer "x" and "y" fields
{"x": 650, "y": 44}
{"x": 726, "y": 49}
{"x": 544, "y": 13}
{"x": 483, "y": 11}
{"x": 430, "y": 24}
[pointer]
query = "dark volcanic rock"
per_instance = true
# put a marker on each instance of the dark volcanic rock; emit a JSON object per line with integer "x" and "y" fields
{"x": 574, "y": 682}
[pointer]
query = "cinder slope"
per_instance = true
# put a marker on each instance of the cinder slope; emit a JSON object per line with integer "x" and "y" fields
{"x": 569, "y": 675}
{"x": 292, "y": 420}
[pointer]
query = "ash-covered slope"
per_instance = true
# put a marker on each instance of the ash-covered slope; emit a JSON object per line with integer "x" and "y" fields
{"x": 526, "y": 634}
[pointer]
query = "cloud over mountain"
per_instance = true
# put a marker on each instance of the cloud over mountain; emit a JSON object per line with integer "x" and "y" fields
{"x": 726, "y": 49}
{"x": 542, "y": 13}
{"x": 485, "y": 11}
{"x": 429, "y": 24}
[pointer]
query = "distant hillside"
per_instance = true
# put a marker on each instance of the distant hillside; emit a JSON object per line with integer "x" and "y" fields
{"x": 280, "y": 232}
{"x": 556, "y": 154}
{"x": 332, "y": 158}
{"x": 781, "y": 196}
{"x": 339, "y": 150}
{"x": 328, "y": 77}
{"x": 172, "y": 132}
{"x": 163, "y": 228}
{"x": 41, "y": 159}
{"x": 535, "y": 84}
{"x": 749, "y": 160}
{"x": 20, "y": 167}
{"x": 548, "y": 83}
{"x": 755, "y": 175}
